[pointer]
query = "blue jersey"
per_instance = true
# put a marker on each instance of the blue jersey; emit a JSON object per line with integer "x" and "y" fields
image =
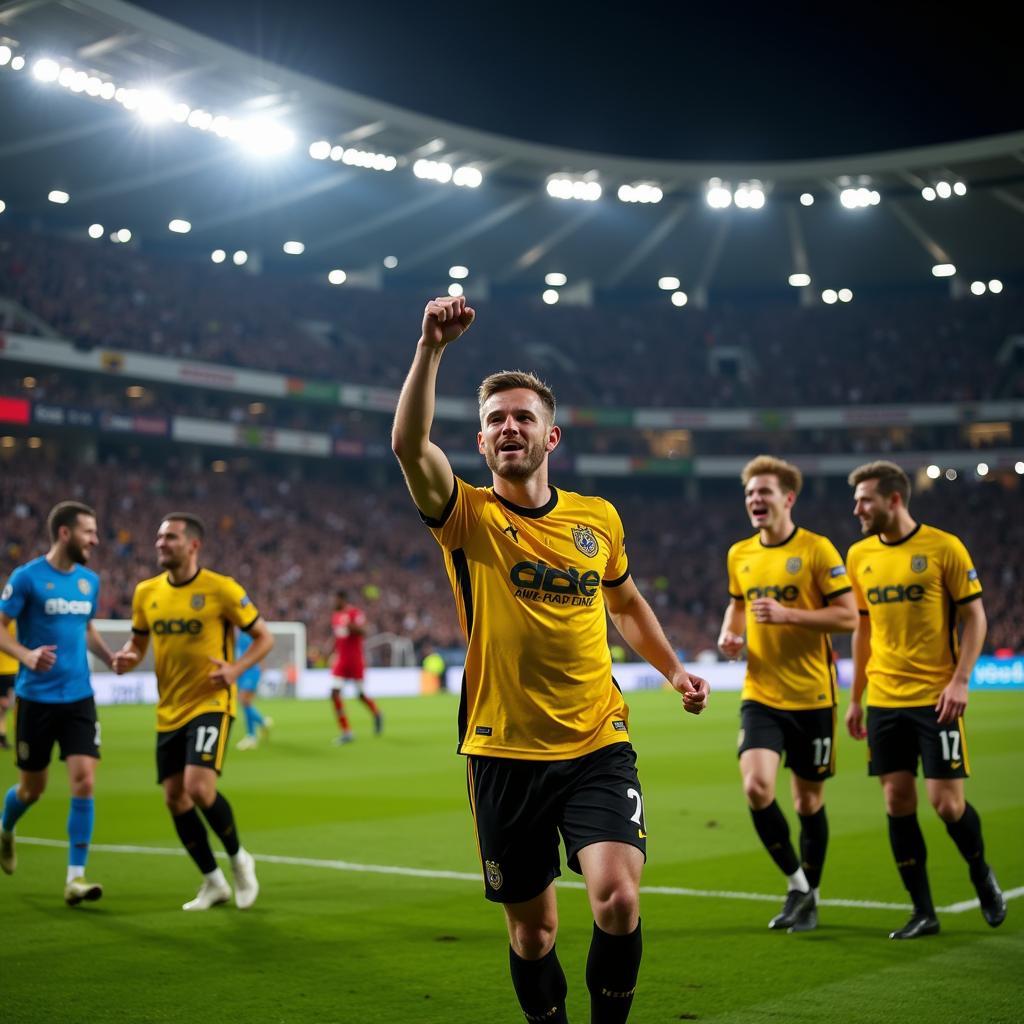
{"x": 53, "y": 607}
{"x": 250, "y": 678}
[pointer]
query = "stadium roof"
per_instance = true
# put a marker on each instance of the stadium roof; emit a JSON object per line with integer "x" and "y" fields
{"x": 121, "y": 170}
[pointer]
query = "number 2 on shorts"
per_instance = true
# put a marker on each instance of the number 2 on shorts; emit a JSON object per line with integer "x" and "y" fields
{"x": 635, "y": 795}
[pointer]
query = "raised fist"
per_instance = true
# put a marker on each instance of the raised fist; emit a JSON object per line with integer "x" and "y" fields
{"x": 446, "y": 319}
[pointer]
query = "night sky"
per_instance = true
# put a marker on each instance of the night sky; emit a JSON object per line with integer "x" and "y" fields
{"x": 655, "y": 80}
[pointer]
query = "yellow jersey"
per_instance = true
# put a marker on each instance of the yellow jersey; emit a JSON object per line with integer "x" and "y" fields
{"x": 9, "y": 665}
{"x": 188, "y": 625}
{"x": 910, "y": 590}
{"x": 528, "y": 589}
{"x": 788, "y": 667}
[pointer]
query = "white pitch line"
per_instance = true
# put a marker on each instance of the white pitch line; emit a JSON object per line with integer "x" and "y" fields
{"x": 468, "y": 876}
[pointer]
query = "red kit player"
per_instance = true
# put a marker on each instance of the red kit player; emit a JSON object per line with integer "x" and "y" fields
{"x": 348, "y": 625}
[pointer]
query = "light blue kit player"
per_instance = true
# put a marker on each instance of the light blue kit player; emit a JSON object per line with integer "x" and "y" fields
{"x": 257, "y": 725}
{"x": 53, "y": 600}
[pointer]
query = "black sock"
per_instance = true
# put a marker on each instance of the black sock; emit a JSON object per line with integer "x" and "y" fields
{"x": 612, "y": 968}
{"x": 911, "y": 856}
{"x": 540, "y": 986}
{"x": 773, "y": 829}
{"x": 966, "y": 833}
{"x": 222, "y": 821}
{"x": 192, "y": 834}
{"x": 813, "y": 844}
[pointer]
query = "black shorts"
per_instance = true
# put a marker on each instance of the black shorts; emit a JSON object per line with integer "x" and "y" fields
{"x": 37, "y": 726}
{"x": 520, "y": 807}
{"x": 202, "y": 741}
{"x": 806, "y": 737}
{"x": 6, "y": 685}
{"x": 898, "y": 736}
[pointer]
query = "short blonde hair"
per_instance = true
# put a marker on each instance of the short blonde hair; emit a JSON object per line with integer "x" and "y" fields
{"x": 892, "y": 479}
{"x": 790, "y": 478}
{"x": 506, "y": 380}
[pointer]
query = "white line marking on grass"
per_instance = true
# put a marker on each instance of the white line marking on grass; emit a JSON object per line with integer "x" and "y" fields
{"x": 468, "y": 876}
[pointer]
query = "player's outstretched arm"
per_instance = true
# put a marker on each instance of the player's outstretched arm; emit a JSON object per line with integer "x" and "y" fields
{"x": 730, "y": 639}
{"x": 639, "y": 626}
{"x": 427, "y": 471}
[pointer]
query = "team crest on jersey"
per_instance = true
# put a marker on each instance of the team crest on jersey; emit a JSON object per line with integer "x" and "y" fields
{"x": 84, "y": 587}
{"x": 794, "y": 565}
{"x": 585, "y": 541}
{"x": 198, "y": 601}
{"x": 8, "y": 593}
{"x": 919, "y": 563}
{"x": 494, "y": 877}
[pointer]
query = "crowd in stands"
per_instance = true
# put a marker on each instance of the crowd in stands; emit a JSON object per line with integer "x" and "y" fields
{"x": 875, "y": 350}
{"x": 293, "y": 541}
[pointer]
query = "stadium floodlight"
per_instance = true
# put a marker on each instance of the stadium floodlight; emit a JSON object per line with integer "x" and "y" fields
{"x": 799, "y": 280}
{"x": 995, "y": 286}
{"x": 668, "y": 284}
{"x": 679, "y": 299}
{"x": 153, "y": 106}
{"x": 95, "y": 230}
{"x": 261, "y": 136}
{"x": 1018, "y": 468}
{"x": 459, "y": 273}
{"x": 5, "y": 55}
{"x": 240, "y": 258}
{"x": 3, "y": 206}
{"x": 749, "y": 195}
{"x": 221, "y": 126}
{"x": 390, "y": 262}
{"x": 17, "y": 63}
{"x": 943, "y": 270}
{"x": 179, "y": 227}
{"x": 218, "y": 255}
{"x": 107, "y": 91}
{"x": 46, "y": 70}
{"x": 58, "y": 197}
{"x": 66, "y": 77}
{"x": 845, "y": 295}
{"x": 982, "y": 469}
{"x": 555, "y": 279}
{"x": 455, "y": 289}
{"x": 79, "y": 82}
{"x": 433, "y": 170}
{"x": 718, "y": 195}
{"x": 943, "y": 189}
{"x": 960, "y": 188}
{"x": 320, "y": 150}
{"x": 561, "y": 187}
{"x": 93, "y": 86}
{"x": 337, "y": 276}
{"x": 549, "y": 296}
{"x": 366, "y": 159}
{"x": 951, "y": 474}
{"x": 294, "y": 248}
{"x": 933, "y": 472}
{"x": 337, "y": 152}
{"x": 641, "y": 192}
{"x": 467, "y": 177}
{"x": 123, "y": 235}
{"x": 858, "y": 198}
{"x": 928, "y": 194}
{"x": 829, "y": 296}
{"x": 180, "y": 113}
{"x": 978, "y": 287}
{"x": 806, "y": 199}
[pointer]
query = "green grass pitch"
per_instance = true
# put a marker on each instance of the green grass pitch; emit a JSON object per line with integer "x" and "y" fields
{"x": 327, "y": 945}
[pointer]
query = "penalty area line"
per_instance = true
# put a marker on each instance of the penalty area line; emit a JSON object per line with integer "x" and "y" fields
{"x": 468, "y": 876}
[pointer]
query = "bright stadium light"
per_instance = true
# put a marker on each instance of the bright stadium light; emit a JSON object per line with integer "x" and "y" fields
{"x": 978, "y": 287}
{"x": 123, "y": 235}
{"x": 337, "y": 276}
{"x": 46, "y": 70}
{"x": 179, "y": 227}
{"x": 717, "y": 194}
{"x": 17, "y": 63}
{"x": 239, "y": 258}
{"x": 294, "y": 248}
{"x": 107, "y": 91}
{"x": 320, "y": 150}
{"x": 1018, "y": 468}
{"x": 806, "y": 199}
{"x": 982, "y": 469}
{"x": 433, "y": 170}
{"x": 455, "y": 289}
{"x": 3, "y": 206}
{"x": 262, "y": 137}
{"x": 390, "y": 262}
{"x": 153, "y": 106}
{"x": 858, "y": 198}
{"x": 560, "y": 187}
{"x": 366, "y": 159}
{"x": 641, "y": 192}
{"x": 995, "y": 286}
{"x": 951, "y": 474}
{"x": 549, "y": 296}
{"x": 459, "y": 273}
{"x": 58, "y": 197}
{"x": 943, "y": 270}
{"x": 799, "y": 280}
{"x": 668, "y": 284}
{"x": 467, "y": 177}
{"x": 749, "y": 195}
{"x": 960, "y": 188}
{"x": 218, "y": 255}
{"x": 829, "y": 296}
{"x": 933, "y": 472}
{"x": 95, "y": 230}
{"x": 928, "y": 194}
{"x": 5, "y": 55}
{"x": 679, "y": 299}
{"x": 845, "y": 295}
{"x": 555, "y": 279}
{"x": 337, "y": 152}
{"x": 943, "y": 189}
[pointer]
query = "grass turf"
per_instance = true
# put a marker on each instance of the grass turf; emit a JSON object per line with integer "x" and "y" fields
{"x": 324, "y": 945}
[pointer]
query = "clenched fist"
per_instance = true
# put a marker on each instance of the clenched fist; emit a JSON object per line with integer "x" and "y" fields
{"x": 446, "y": 319}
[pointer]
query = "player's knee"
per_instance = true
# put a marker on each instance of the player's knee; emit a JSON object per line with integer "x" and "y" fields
{"x": 616, "y": 910}
{"x": 900, "y": 801}
{"x": 200, "y": 792}
{"x": 759, "y": 791}
{"x": 949, "y": 806}
{"x": 30, "y": 790}
{"x": 81, "y": 785}
{"x": 807, "y": 804}
{"x": 532, "y": 940}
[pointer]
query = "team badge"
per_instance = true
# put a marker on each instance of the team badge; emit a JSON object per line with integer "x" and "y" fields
{"x": 198, "y": 601}
{"x": 794, "y": 565}
{"x": 585, "y": 541}
{"x": 494, "y": 876}
{"x": 919, "y": 563}
{"x": 84, "y": 587}
{"x": 8, "y": 593}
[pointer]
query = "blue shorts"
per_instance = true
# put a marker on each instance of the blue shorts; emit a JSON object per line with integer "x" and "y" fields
{"x": 249, "y": 681}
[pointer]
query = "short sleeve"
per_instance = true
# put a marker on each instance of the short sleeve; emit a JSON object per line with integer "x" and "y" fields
{"x": 735, "y": 590}
{"x": 829, "y": 570}
{"x": 140, "y": 624}
{"x": 456, "y": 523}
{"x": 616, "y": 572}
{"x": 235, "y": 604}
{"x": 858, "y": 593}
{"x": 95, "y": 599}
{"x": 958, "y": 572}
{"x": 14, "y": 594}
